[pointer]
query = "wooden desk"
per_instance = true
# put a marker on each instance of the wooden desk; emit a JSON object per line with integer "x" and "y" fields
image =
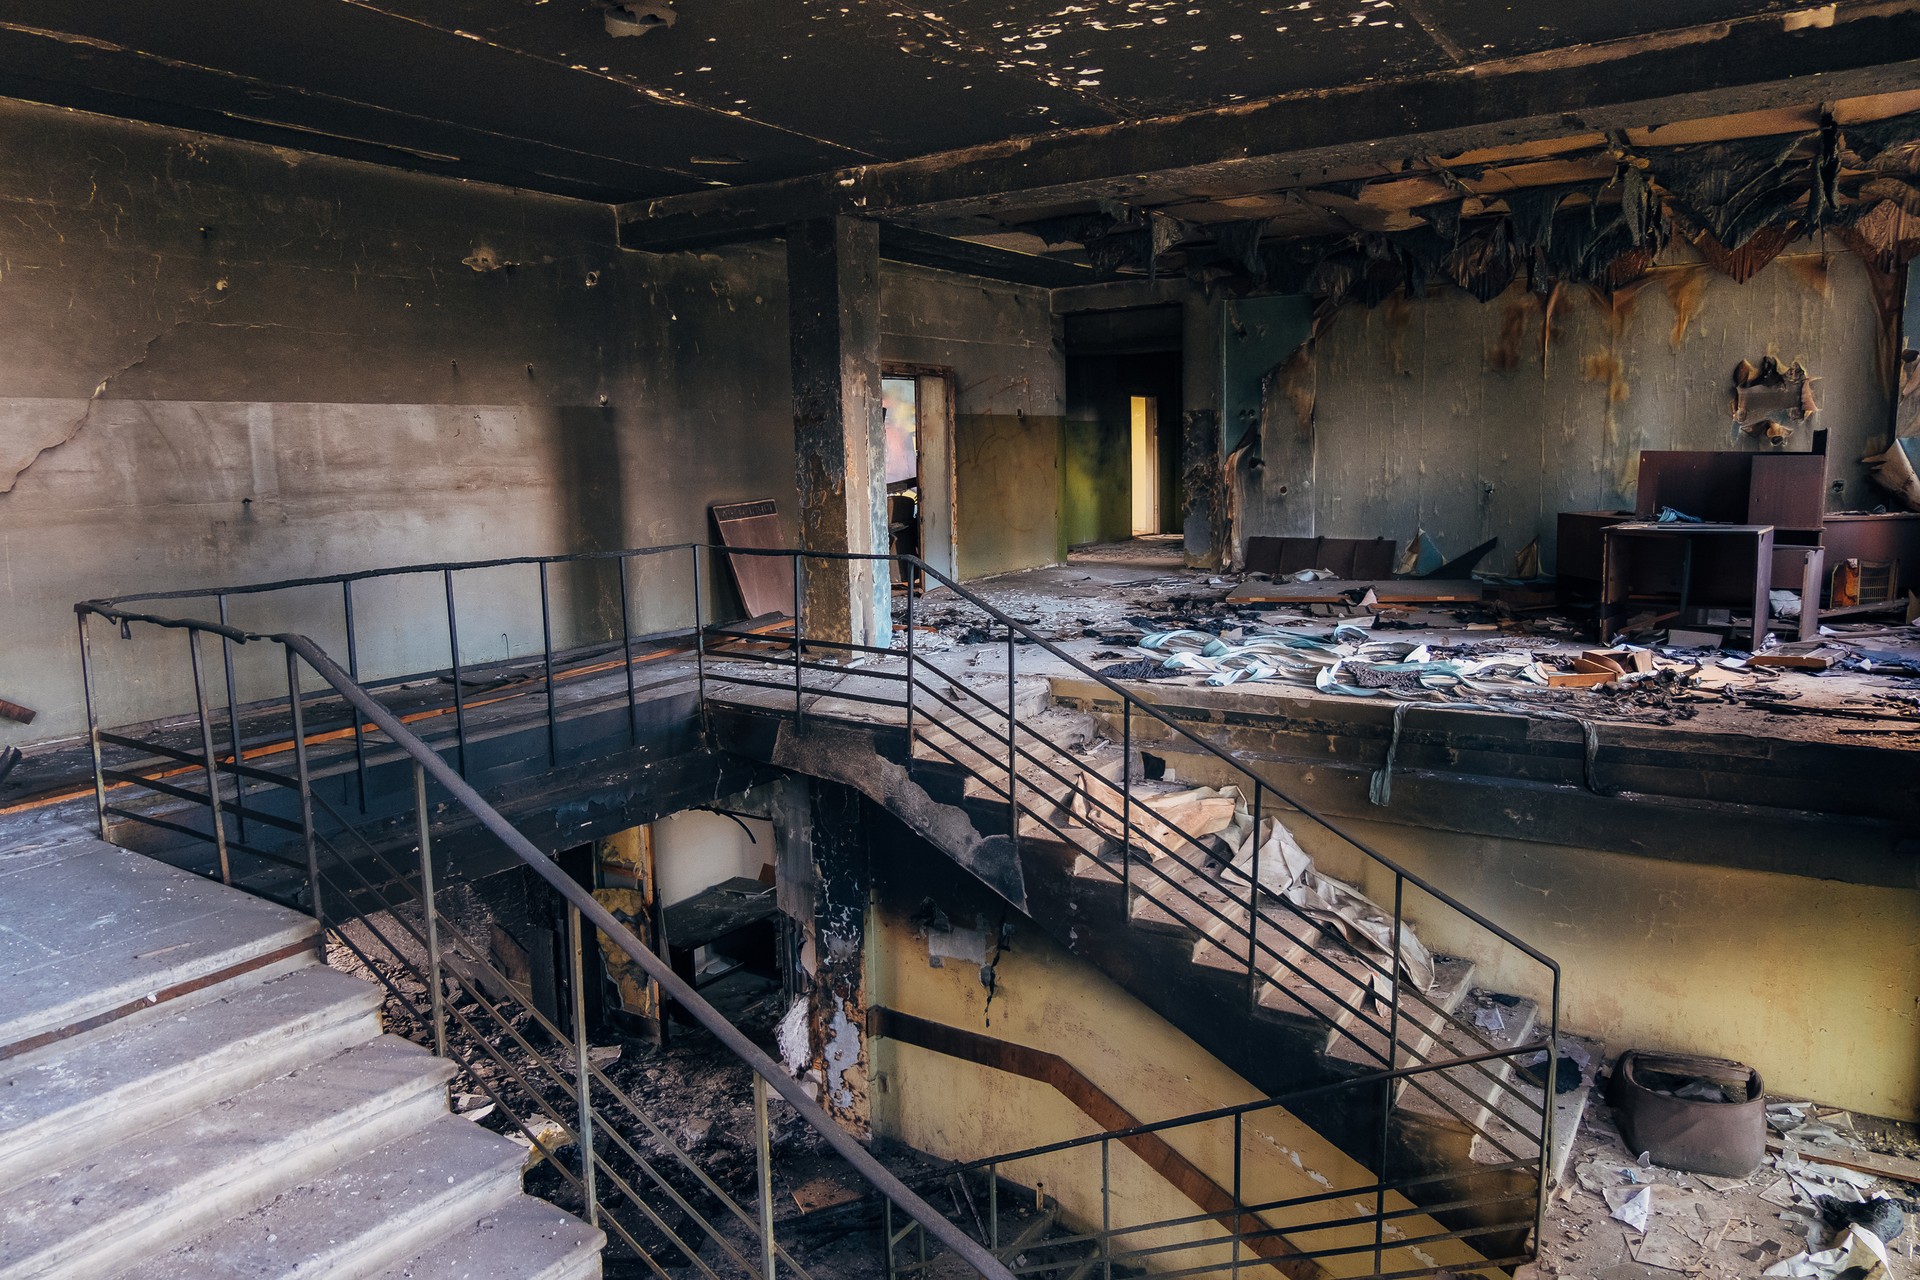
{"x": 1724, "y": 564}
{"x": 737, "y": 918}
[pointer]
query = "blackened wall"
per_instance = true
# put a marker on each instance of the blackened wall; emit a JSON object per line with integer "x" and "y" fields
{"x": 1002, "y": 342}
{"x": 1476, "y": 421}
{"x": 228, "y": 363}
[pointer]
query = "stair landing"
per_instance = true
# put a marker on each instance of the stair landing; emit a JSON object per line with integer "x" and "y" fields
{"x": 186, "y": 1090}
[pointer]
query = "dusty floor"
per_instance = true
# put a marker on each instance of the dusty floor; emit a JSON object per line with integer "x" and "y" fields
{"x": 1695, "y": 1229}
{"x": 1096, "y": 607}
{"x": 693, "y": 1095}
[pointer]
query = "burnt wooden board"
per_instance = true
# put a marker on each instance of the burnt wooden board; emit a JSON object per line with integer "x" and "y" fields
{"x": 1339, "y": 590}
{"x": 765, "y": 583}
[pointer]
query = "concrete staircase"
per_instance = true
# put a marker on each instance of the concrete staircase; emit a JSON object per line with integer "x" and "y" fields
{"x": 186, "y": 1091}
{"x": 1176, "y": 937}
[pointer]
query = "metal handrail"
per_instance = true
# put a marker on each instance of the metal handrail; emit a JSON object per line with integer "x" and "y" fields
{"x": 428, "y": 763}
{"x": 109, "y": 607}
{"x": 348, "y": 684}
{"x": 657, "y": 969}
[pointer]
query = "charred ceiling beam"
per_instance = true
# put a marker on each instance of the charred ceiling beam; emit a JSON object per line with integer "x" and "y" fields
{"x": 923, "y": 248}
{"x": 1850, "y": 50}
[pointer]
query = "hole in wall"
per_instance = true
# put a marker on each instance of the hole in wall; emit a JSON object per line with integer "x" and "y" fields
{"x": 638, "y": 17}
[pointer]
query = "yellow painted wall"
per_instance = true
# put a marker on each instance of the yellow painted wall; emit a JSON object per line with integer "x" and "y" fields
{"x": 1814, "y": 982}
{"x": 1050, "y": 1000}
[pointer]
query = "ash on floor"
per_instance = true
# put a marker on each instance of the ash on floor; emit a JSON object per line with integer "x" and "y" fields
{"x": 1719, "y": 1229}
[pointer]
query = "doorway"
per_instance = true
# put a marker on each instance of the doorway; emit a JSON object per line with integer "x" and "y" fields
{"x": 917, "y": 409}
{"x": 1144, "y": 412}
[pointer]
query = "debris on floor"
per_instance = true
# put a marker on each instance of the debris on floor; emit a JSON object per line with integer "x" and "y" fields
{"x": 1214, "y": 825}
{"x": 1620, "y": 1214}
{"x": 1518, "y": 647}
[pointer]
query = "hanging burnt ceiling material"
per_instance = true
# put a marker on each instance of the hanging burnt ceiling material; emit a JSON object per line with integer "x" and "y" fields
{"x": 1134, "y": 136}
{"x": 1739, "y": 202}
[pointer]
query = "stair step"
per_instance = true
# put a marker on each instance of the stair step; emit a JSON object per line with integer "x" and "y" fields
{"x": 525, "y": 1238}
{"x": 1062, "y": 829}
{"x": 1468, "y": 1096}
{"x": 355, "y": 1219}
{"x": 1419, "y": 1022}
{"x": 77, "y": 1095}
{"x": 1283, "y": 940}
{"x": 142, "y": 929}
{"x": 1322, "y": 986}
{"x": 1514, "y": 1123}
{"x": 154, "y": 1190}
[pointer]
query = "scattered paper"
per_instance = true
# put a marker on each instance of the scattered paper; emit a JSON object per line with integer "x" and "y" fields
{"x": 1631, "y": 1205}
{"x": 1598, "y": 1176}
{"x": 1859, "y": 1256}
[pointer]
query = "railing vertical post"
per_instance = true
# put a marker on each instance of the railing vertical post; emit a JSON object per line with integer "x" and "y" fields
{"x": 1546, "y": 1113}
{"x": 206, "y": 748}
{"x": 430, "y": 909}
{"x": 1387, "y": 1086}
{"x": 233, "y": 724}
{"x": 583, "y": 1068}
{"x": 699, "y": 648}
{"x": 353, "y": 669}
{"x": 797, "y": 637}
{"x": 626, "y": 653}
{"x": 1126, "y": 806}
{"x": 909, "y": 666}
{"x": 546, "y": 659}
{"x": 93, "y": 727}
{"x": 886, "y": 1238}
{"x": 993, "y": 1207}
{"x": 1239, "y": 1222}
{"x": 459, "y": 698}
{"x": 1106, "y": 1208}
{"x": 304, "y": 777}
{"x": 1253, "y": 900}
{"x": 763, "y": 1154}
{"x": 1013, "y": 754}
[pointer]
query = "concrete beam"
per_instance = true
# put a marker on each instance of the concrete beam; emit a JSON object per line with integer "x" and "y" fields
{"x": 833, "y": 280}
{"x": 1768, "y": 60}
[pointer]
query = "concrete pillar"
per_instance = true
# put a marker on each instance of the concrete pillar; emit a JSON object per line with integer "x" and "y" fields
{"x": 838, "y": 1001}
{"x": 1202, "y": 476}
{"x": 833, "y": 282}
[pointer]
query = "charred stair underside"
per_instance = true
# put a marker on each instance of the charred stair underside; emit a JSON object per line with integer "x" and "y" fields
{"x": 1175, "y": 938}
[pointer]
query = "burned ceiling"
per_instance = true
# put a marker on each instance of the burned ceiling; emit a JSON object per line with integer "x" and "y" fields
{"x": 1354, "y": 147}
{"x": 548, "y": 95}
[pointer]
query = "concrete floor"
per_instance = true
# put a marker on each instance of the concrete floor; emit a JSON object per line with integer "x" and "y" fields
{"x": 1103, "y": 593}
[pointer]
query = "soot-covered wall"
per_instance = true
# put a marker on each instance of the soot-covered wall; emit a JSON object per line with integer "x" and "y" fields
{"x": 228, "y": 363}
{"x": 1456, "y": 417}
{"x": 1002, "y": 342}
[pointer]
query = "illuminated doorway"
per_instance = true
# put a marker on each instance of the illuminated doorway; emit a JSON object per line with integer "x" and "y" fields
{"x": 1146, "y": 465}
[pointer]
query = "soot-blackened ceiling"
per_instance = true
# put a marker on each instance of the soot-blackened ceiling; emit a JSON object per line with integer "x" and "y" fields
{"x": 543, "y": 94}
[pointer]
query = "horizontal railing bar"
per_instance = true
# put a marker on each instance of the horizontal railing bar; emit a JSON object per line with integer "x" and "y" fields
{"x": 204, "y": 837}
{"x": 1279, "y": 1100}
{"x": 362, "y": 575}
{"x": 590, "y": 907}
{"x": 224, "y": 764}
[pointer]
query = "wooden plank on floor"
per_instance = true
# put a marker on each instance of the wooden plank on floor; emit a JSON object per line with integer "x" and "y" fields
{"x": 1341, "y": 590}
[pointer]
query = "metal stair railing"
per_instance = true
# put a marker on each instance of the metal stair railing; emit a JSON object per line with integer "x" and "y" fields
{"x": 1263, "y": 961}
{"x": 375, "y": 887}
{"x": 1005, "y": 755}
{"x": 1254, "y": 1233}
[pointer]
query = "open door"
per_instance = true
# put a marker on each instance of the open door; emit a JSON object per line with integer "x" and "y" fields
{"x": 1145, "y": 413}
{"x": 918, "y": 403}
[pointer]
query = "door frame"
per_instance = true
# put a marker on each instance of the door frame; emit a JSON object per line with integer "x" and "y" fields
{"x": 939, "y": 521}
